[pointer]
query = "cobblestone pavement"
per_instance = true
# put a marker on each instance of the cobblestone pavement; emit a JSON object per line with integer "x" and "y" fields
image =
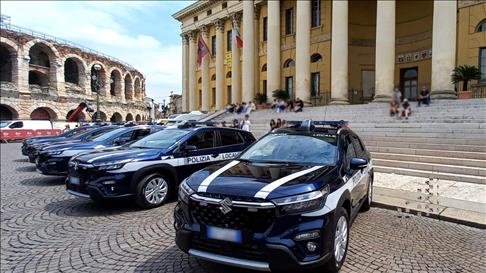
{"x": 43, "y": 229}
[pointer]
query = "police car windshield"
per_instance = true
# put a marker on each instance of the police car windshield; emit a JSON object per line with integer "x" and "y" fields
{"x": 160, "y": 140}
{"x": 304, "y": 148}
{"x": 107, "y": 135}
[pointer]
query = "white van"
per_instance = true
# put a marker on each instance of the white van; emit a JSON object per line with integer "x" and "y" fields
{"x": 25, "y": 124}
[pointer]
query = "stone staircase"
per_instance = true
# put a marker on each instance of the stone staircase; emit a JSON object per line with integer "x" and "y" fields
{"x": 446, "y": 140}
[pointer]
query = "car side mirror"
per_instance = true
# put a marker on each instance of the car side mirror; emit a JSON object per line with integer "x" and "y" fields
{"x": 189, "y": 148}
{"x": 358, "y": 163}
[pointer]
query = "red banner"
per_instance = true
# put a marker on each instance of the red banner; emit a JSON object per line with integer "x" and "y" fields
{"x": 23, "y": 133}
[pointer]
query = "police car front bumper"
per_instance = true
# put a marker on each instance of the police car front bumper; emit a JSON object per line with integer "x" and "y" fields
{"x": 274, "y": 249}
{"x": 50, "y": 165}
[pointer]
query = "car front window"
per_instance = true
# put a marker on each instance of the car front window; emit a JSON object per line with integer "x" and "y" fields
{"x": 107, "y": 135}
{"x": 160, "y": 140}
{"x": 4, "y": 124}
{"x": 311, "y": 148}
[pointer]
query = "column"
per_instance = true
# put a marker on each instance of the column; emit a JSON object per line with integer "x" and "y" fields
{"x": 220, "y": 76}
{"x": 192, "y": 71}
{"x": 273, "y": 47}
{"x": 185, "y": 69}
{"x": 443, "y": 49}
{"x": 302, "y": 51}
{"x": 256, "y": 69}
{"x": 385, "y": 50}
{"x": 205, "y": 72}
{"x": 339, "y": 53}
{"x": 248, "y": 51}
{"x": 235, "y": 65}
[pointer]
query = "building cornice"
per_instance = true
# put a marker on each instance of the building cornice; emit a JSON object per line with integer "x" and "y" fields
{"x": 467, "y": 3}
{"x": 194, "y": 8}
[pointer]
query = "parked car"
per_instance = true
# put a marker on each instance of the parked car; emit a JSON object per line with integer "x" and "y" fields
{"x": 53, "y": 159}
{"x": 33, "y": 149}
{"x": 25, "y": 124}
{"x": 150, "y": 170}
{"x": 285, "y": 204}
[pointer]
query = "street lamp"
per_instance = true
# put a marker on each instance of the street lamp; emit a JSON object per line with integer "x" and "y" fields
{"x": 96, "y": 80}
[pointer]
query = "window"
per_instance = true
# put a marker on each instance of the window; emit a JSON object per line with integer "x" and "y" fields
{"x": 213, "y": 97}
{"x": 139, "y": 134}
{"x": 202, "y": 140}
{"x": 229, "y": 40}
{"x": 264, "y": 67}
{"x": 213, "y": 45}
{"x": 230, "y": 138}
{"x": 228, "y": 75}
{"x": 289, "y": 21}
{"x": 264, "y": 86}
{"x": 213, "y": 77}
{"x": 350, "y": 153}
{"x": 316, "y": 13}
{"x": 316, "y": 58}
{"x": 358, "y": 147}
{"x": 265, "y": 28}
{"x": 15, "y": 125}
{"x": 482, "y": 64}
{"x": 481, "y": 26}
{"x": 224, "y": 5}
{"x": 315, "y": 84}
{"x": 209, "y": 12}
{"x": 200, "y": 98}
{"x": 289, "y": 63}
{"x": 289, "y": 85}
{"x": 195, "y": 19}
{"x": 199, "y": 80}
{"x": 228, "y": 94}
{"x": 123, "y": 138}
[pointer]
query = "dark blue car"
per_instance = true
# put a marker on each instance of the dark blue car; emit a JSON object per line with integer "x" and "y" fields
{"x": 33, "y": 149}
{"x": 53, "y": 159}
{"x": 150, "y": 169}
{"x": 285, "y": 204}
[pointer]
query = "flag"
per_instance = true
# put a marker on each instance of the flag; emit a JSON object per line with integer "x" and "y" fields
{"x": 202, "y": 50}
{"x": 237, "y": 37}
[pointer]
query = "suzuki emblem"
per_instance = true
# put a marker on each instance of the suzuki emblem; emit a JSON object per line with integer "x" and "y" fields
{"x": 225, "y": 205}
{"x": 75, "y": 165}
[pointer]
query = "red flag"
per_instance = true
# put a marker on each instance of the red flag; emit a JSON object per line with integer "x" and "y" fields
{"x": 237, "y": 37}
{"x": 202, "y": 50}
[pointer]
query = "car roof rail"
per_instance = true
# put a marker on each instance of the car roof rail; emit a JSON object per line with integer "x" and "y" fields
{"x": 194, "y": 124}
{"x": 309, "y": 125}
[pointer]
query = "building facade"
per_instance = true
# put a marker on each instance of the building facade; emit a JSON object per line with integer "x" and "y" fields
{"x": 323, "y": 52}
{"x": 44, "y": 78}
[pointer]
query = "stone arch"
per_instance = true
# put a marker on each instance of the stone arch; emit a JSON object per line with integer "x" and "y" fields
{"x": 129, "y": 117}
{"x": 8, "y": 61}
{"x": 75, "y": 70}
{"x": 116, "y": 117}
{"x": 128, "y": 87}
{"x": 481, "y": 27}
{"x": 7, "y": 112}
{"x": 137, "y": 86}
{"x": 102, "y": 75}
{"x": 289, "y": 63}
{"x": 51, "y": 107}
{"x": 38, "y": 78}
{"x": 81, "y": 116}
{"x": 316, "y": 57}
{"x": 102, "y": 116}
{"x": 138, "y": 118}
{"x": 43, "y": 113}
{"x": 116, "y": 82}
{"x": 43, "y": 63}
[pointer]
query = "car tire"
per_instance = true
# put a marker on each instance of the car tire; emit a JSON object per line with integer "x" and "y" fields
{"x": 340, "y": 237}
{"x": 369, "y": 196}
{"x": 153, "y": 191}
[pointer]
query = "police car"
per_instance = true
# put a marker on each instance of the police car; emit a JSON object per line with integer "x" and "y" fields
{"x": 32, "y": 149}
{"x": 149, "y": 170}
{"x": 285, "y": 204}
{"x": 53, "y": 159}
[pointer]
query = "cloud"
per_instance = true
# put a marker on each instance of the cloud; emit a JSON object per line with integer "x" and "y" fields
{"x": 123, "y": 29}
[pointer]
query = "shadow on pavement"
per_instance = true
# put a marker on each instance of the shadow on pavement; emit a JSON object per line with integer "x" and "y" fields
{"x": 21, "y": 160}
{"x": 26, "y": 169}
{"x": 80, "y": 207}
{"x": 44, "y": 181}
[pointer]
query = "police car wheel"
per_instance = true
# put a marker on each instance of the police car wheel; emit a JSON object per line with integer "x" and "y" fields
{"x": 153, "y": 191}
{"x": 339, "y": 247}
{"x": 369, "y": 196}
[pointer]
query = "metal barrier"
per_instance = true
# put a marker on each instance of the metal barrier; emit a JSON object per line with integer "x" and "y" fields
{"x": 6, "y": 135}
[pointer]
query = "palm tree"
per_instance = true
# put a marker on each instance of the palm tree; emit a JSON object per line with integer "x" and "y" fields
{"x": 465, "y": 73}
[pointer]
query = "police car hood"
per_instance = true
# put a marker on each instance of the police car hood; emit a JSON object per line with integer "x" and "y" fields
{"x": 256, "y": 180}
{"x": 119, "y": 154}
{"x": 41, "y": 139}
{"x": 75, "y": 145}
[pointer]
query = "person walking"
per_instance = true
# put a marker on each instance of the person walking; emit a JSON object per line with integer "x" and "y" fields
{"x": 246, "y": 124}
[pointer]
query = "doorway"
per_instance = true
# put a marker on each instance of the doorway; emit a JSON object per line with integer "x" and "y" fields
{"x": 409, "y": 83}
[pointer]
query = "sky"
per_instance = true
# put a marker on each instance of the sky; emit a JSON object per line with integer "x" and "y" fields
{"x": 141, "y": 33}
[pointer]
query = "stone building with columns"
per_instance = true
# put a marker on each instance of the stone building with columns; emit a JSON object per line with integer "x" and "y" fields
{"x": 328, "y": 52}
{"x": 42, "y": 77}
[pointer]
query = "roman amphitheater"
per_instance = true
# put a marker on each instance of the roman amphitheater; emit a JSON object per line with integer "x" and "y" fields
{"x": 43, "y": 77}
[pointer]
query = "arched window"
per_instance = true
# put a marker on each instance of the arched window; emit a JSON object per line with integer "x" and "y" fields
{"x": 199, "y": 81}
{"x": 228, "y": 75}
{"x": 213, "y": 77}
{"x": 264, "y": 67}
{"x": 316, "y": 57}
{"x": 289, "y": 63}
{"x": 410, "y": 73}
{"x": 481, "y": 27}
{"x": 71, "y": 71}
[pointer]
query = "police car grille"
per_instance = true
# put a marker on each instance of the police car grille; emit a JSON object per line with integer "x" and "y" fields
{"x": 238, "y": 218}
{"x": 232, "y": 197}
{"x": 250, "y": 252}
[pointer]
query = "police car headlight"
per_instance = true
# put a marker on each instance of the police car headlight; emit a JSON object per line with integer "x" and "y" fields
{"x": 112, "y": 165}
{"x": 302, "y": 203}
{"x": 55, "y": 152}
{"x": 185, "y": 192}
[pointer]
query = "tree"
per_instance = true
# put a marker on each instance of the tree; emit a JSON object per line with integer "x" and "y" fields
{"x": 280, "y": 94}
{"x": 465, "y": 73}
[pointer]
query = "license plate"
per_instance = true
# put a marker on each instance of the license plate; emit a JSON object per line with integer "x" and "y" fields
{"x": 74, "y": 180}
{"x": 224, "y": 234}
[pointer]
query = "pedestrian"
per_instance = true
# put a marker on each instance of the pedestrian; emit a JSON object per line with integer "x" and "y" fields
{"x": 273, "y": 124}
{"x": 407, "y": 110}
{"x": 236, "y": 124}
{"x": 299, "y": 105}
{"x": 290, "y": 105}
{"x": 395, "y": 102}
{"x": 246, "y": 124}
{"x": 223, "y": 123}
{"x": 274, "y": 105}
{"x": 279, "y": 123}
{"x": 66, "y": 128}
{"x": 424, "y": 96}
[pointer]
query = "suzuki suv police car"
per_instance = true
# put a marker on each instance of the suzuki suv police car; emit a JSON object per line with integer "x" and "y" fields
{"x": 286, "y": 203}
{"x": 150, "y": 169}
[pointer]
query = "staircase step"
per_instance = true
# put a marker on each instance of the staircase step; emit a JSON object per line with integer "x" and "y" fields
{"x": 431, "y": 167}
{"x": 429, "y": 174}
{"x": 456, "y": 141}
{"x": 426, "y": 152}
{"x": 467, "y": 162}
{"x": 428, "y": 146}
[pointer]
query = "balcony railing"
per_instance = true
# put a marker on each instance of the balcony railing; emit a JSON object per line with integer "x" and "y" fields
{"x": 479, "y": 91}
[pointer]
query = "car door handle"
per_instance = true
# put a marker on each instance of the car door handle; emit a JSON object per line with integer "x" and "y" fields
{"x": 215, "y": 155}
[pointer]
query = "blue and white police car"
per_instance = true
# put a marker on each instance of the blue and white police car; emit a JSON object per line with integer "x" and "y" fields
{"x": 53, "y": 159}
{"x": 285, "y": 204}
{"x": 150, "y": 170}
